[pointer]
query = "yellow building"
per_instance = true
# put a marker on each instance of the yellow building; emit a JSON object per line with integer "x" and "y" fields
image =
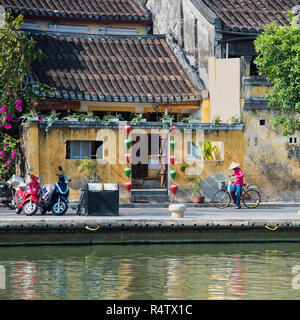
{"x": 105, "y": 60}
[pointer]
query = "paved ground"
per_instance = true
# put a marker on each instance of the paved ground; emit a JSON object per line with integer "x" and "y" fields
{"x": 288, "y": 212}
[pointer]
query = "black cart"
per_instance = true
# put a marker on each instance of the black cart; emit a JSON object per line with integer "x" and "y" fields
{"x": 99, "y": 199}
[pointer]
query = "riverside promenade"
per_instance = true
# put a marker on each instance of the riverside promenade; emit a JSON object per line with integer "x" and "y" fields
{"x": 148, "y": 224}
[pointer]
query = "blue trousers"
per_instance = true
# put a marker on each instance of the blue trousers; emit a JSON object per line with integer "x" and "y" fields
{"x": 238, "y": 190}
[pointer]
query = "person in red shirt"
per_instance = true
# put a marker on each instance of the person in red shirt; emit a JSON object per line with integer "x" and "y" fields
{"x": 238, "y": 182}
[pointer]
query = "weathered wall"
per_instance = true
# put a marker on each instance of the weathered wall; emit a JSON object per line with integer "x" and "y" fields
{"x": 181, "y": 20}
{"x": 271, "y": 162}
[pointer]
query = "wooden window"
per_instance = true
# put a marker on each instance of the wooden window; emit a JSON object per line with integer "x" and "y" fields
{"x": 85, "y": 150}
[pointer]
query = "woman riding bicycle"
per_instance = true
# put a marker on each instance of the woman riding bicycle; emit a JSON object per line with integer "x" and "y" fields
{"x": 238, "y": 183}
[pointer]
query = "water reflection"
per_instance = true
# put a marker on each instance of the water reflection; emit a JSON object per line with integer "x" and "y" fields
{"x": 205, "y": 272}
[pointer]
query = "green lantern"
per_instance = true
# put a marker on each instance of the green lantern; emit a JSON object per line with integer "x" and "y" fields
{"x": 127, "y": 143}
{"x": 173, "y": 174}
{"x": 127, "y": 171}
{"x": 172, "y": 144}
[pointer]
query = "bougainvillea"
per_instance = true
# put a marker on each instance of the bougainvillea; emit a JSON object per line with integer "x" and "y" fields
{"x": 17, "y": 55}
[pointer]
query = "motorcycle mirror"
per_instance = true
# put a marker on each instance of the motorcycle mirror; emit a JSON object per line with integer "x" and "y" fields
{"x": 70, "y": 180}
{"x": 30, "y": 169}
{"x": 59, "y": 168}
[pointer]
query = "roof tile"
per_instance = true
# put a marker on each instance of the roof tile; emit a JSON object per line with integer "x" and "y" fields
{"x": 251, "y": 14}
{"x": 108, "y": 67}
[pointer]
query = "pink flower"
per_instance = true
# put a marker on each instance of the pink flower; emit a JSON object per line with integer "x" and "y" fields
{"x": 2, "y": 153}
{"x": 4, "y": 165}
{"x": 8, "y": 161}
{"x": 3, "y": 109}
{"x": 13, "y": 155}
{"x": 8, "y": 126}
{"x": 41, "y": 117}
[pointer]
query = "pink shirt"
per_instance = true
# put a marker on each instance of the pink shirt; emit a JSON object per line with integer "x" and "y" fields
{"x": 239, "y": 175}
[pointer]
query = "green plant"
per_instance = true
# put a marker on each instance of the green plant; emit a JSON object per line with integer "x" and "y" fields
{"x": 216, "y": 121}
{"x": 88, "y": 115}
{"x": 166, "y": 119}
{"x": 70, "y": 116}
{"x": 278, "y": 60}
{"x": 197, "y": 186}
{"x": 107, "y": 117}
{"x": 26, "y": 117}
{"x": 91, "y": 167}
{"x": 137, "y": 119}
{"x": 51, "y": 119}
{"x": 187, "y": 120}
{"x": 235, "y": 120}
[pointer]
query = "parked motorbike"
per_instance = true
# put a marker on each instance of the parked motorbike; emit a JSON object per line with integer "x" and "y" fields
{"x": 55, "y": 197}
{"x": 27, "y": 195}
{"x": 8, "y": 189}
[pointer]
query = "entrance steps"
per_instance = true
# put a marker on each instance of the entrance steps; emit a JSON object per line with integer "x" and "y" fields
{"x": 149, "y": 195}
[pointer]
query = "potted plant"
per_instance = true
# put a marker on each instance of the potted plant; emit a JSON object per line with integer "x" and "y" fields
{"x": 112, "y": 118}
{"x": 167, "y": 120}
{"x": 32, "y": 115}
{"x": 138, "y": 118}
{"x": 88, "y": 117}
{"x": 91, "y": 167}
{"x": 190, "y": 120}
{"x": 196, "y": 190}
{"x": 51, "y": 119}
{"x": 72, "y": 117}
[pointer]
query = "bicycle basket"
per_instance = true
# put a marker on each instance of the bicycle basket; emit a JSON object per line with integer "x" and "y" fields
{"x": 222, "y": 185}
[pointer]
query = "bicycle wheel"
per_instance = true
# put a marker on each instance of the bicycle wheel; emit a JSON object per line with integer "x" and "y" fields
{"x": 221, "y": 199}
{"x": 251, "y": 198}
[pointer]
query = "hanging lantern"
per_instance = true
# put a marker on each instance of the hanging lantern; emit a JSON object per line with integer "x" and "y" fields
{"x": 174, "y": 188}
{"x": 127, "y": 157}
{"x": 172, "y": 131}
{"x": 127, "y": 171}
{"x": 172, "y": 160}
{"x": 128, "y": 186}
{"x": 127, "y": 128}
{"x": 127, "y": 143}
{"x": 173, "y": 174}
{"x": 172, "y": 144}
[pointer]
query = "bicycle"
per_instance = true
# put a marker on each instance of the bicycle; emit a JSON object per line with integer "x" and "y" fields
{"x": 250, "y": 196}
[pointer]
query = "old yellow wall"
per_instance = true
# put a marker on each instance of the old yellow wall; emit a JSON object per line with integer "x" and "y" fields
{"x": 209, "y": 171}
{"x": 47, "y": 151}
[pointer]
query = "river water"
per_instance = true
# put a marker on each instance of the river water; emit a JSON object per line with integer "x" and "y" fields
{"x": 193, "y": 272}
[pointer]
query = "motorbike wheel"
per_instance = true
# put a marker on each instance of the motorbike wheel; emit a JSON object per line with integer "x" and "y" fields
{"x": 30, "y": 208}
{"x": 59, "y": 208}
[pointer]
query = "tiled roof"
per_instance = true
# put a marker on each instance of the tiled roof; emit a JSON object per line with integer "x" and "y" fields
{"x": 120, "y": 69}
{"x": 87, "y": 9}
{"x": 250, "y": 15}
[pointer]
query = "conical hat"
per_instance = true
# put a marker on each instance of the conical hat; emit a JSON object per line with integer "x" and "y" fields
{"x": 234, "y": 165}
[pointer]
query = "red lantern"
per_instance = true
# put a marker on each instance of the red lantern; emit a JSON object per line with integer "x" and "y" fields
{"x": 127, "y": 129}
{"x": 127, "y": 157}
{"x": 173, "y": 129}
{"x": 172, "y": 159}
{"x": 128, "y": 186}
{"x": 174, "y": 188}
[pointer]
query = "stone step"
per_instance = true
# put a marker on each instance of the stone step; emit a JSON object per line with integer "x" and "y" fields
{"x": 149, "y": 195}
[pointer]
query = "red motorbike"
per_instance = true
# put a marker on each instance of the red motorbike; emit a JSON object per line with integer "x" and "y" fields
{"x": 27, "y": 196}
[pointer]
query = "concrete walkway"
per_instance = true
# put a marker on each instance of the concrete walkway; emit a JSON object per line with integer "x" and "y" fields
{"x": 276, "y": 223}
